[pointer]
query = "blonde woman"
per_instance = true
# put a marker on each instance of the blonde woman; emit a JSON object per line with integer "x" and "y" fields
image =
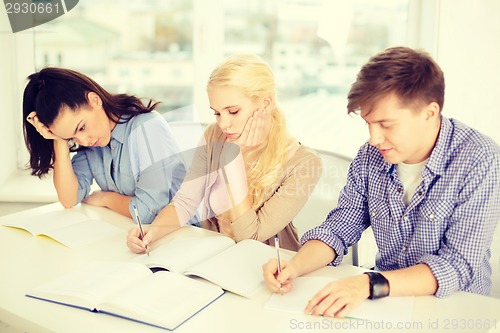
{"x": 251, "y": 175}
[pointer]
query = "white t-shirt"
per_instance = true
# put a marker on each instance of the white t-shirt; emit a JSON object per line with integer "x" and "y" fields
{"x": 410, "y": 176}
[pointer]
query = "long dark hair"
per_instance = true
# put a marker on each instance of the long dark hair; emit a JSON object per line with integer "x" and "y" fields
{"x": 51, "y": 89}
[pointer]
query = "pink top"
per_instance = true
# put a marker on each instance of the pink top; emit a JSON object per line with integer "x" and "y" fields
{"x": 205, "y": 182}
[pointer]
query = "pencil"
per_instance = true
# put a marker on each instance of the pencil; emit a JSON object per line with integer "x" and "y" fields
{"x": 277, "y": 246}
{"x": 138, "y": 219}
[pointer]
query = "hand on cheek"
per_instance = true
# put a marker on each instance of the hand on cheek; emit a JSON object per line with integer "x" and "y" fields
{"x": 43, "y": 130}
{"x": 254, "y": 132}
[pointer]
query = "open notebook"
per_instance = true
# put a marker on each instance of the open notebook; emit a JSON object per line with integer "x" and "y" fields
{"x": 132, "y": 291}
{"x": 67, "y": 226}
{"x": 235, "y": 267}
{"x": 165, "y": 299}
{"x": 394, "y": 309}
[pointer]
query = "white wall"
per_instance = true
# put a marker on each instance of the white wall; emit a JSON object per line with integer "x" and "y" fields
{"x": 468, "y": 50}
{"x": 8, "y": 97}
{"x": 16, "y": 62}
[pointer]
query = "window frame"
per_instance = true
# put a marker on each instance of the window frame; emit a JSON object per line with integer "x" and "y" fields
{"x": 208, "y": 20}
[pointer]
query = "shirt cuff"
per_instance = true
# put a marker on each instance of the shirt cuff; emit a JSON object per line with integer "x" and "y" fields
{"x": 444, "y": 274}
{"x": 242, "y": 225}
{"x": 146, "y": 215}
{"x": 329, "y": 239}
{"x": 183, "y": 214}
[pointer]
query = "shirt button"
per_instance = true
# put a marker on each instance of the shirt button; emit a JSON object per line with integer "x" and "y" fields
{"x": 419, "y": 192}
{"x": 432, "y": 216}
{"x": 399, "y": 189}
{"x": 405, "y": 218}
{"x": 373, "y": 213}
{"x": 403, "y": 248}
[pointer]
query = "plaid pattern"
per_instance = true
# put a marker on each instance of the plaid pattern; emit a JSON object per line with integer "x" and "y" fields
{"x": 449, "y": 223}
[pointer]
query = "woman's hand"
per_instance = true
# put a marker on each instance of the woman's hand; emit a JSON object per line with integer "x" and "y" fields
{"x": 282, "y": 282}
{"x": 44, "y": 131}
{"x": 339, "y": 297}
{"x": 136, "y": 243}
{"x": 254, "y": 132}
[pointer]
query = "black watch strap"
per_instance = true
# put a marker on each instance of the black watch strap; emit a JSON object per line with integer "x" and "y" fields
{"x": 379, "y": 286}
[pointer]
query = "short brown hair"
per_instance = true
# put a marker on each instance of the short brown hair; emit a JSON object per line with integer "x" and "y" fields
{"x": 412, "y": 75}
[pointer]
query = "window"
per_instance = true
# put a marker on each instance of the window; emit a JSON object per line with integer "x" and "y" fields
{"x": 135, "y": 47}
{"x": 165, "y": 50}
{"x": 316, "y": 47}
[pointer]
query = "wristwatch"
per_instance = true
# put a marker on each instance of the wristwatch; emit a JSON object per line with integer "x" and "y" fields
{"x": 379, "y": 286}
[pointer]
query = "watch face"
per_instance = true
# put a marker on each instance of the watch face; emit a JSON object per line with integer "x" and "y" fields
{"x": 379, "y": 286}
{"x": 380, "y": 290}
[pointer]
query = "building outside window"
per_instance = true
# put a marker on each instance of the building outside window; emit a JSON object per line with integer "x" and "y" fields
{"x": 148, "y": 48}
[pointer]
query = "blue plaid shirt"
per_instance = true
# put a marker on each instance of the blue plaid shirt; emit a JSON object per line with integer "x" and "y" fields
{"x": 449, "y": 223}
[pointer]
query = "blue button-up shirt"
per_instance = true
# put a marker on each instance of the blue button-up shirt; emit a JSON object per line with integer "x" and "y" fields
{"x": 142, "y": 160}
{"x": 448, "y": 224}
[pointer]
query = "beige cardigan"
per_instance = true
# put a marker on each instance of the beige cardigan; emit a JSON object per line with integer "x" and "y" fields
{"x": 273, "y": 216}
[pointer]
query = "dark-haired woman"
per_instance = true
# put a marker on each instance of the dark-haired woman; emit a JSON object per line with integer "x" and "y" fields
{"x": 123, "y": 145}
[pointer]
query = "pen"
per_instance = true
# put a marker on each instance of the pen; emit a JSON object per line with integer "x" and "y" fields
{"x": 277, "y": 245}
{"x": 138, "y": 219}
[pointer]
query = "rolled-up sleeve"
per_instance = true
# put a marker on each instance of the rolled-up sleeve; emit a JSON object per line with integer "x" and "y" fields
{"x": 82, "y": 170}
{"x": 157, "y": 166}
{"x": 469, "y": 235}
{"x": 346, "y": 222}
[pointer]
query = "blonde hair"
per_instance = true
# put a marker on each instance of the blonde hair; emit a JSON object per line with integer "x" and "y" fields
{"x": 255, "y": 79}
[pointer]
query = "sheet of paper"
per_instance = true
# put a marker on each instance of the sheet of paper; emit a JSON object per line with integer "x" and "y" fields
{"x": 394, "y": 309}
{"x": 164, "y": 299}
{"x": 84, "y": 232}
{"x": 43, "y": 222}
{"x": 92, "y": 283}
{"x": 69, "y": 227}
{"x": 239, "y": 268}
{"x": 179, "y": 254}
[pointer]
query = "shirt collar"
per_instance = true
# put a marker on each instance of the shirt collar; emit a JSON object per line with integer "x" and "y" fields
{"x": 118, "y": 133}
{"x": 435, "y": 163}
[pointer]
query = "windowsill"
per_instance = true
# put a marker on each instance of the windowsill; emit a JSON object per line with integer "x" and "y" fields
{"x": 22, "y": 187}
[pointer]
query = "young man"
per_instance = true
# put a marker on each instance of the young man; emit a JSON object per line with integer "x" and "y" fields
{"x": 428, "y": 186}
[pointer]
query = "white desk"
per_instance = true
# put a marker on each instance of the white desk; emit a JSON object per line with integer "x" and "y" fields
{"x": 27, "y": 261}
